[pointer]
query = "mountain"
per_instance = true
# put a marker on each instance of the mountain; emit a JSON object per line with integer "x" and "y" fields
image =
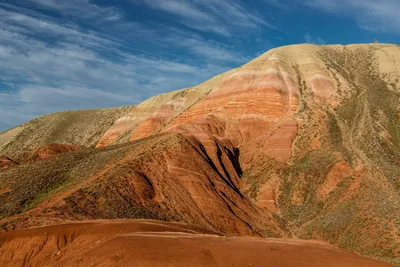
{"x": 302, "y": 142}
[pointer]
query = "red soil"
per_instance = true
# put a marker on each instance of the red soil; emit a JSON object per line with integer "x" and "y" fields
{"x": 6, "y": 162}
{"x": 47, "y": 151}
{"x": 154, "y": 243}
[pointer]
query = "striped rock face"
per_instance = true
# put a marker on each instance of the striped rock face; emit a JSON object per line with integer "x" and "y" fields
{"x": 152, "y": 115}
{"x": 252, "y": 107}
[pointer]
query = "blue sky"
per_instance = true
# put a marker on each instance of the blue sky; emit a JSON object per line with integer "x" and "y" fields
{"x": 79, "y": 54}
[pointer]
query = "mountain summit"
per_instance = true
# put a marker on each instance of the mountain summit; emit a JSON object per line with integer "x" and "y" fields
{"x": 302, "y": 142}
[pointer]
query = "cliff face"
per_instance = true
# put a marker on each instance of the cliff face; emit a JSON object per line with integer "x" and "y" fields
{"x": 303, "y": 141}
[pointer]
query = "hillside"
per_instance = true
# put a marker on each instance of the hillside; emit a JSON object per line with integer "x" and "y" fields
{"x": 83, "y": 128}
{"x": 132, "y": 243}
{"x": 302, "y": 142}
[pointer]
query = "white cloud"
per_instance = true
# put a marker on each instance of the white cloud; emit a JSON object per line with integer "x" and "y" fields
{"x": 72, "y": 97}
{"x": 282, "y": 4}
{"x": 372, "y": 15}
{"x": 220, "y": 17}
{"x": 80, "y": 8}
{"x": 313, "y": 39}
{"x": 206, "y": 49}
{"x": 53, "y": 66}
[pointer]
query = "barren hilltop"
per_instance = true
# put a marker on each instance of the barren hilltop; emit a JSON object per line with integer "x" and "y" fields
{"x": 302, "y": 142}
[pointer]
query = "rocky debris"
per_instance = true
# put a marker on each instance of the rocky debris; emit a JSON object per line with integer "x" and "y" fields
{"x": 50, "y": 150}
{"x": 6, "y": 162}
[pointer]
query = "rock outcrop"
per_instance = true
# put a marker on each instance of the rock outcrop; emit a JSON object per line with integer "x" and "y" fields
{"x": 6, "y": 162}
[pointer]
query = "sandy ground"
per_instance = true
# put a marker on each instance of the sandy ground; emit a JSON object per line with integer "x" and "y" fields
{"x": 153, "y": 243}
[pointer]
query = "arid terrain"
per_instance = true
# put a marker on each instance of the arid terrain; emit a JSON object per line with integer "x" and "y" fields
{"x": 154, "y": 243}
{"x": 264, "y": 165}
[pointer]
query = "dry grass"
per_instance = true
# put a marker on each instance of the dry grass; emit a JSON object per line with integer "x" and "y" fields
{"x": 82, "y": 127}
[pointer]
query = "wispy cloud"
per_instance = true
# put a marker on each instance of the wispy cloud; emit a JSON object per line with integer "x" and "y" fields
{"x": 372, "y": 15}
{"x": 54, "y": 64}
{"x": 79, "y": 8}
{"x": 282, "y": 4}
{"x": 308, "y": 38}
{"x": 205, "y": 15}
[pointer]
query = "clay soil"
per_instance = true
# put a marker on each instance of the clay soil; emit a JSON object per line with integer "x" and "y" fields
{"x": 154, "y": 243}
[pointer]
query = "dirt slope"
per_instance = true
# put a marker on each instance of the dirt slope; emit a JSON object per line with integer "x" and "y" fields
{"x": 153, "y": 243}
{"x": 152, "y": 115}
{"x": 303, "y": 141}
{"x": 83, "y": 128}
{"x": 146, "y": 179}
